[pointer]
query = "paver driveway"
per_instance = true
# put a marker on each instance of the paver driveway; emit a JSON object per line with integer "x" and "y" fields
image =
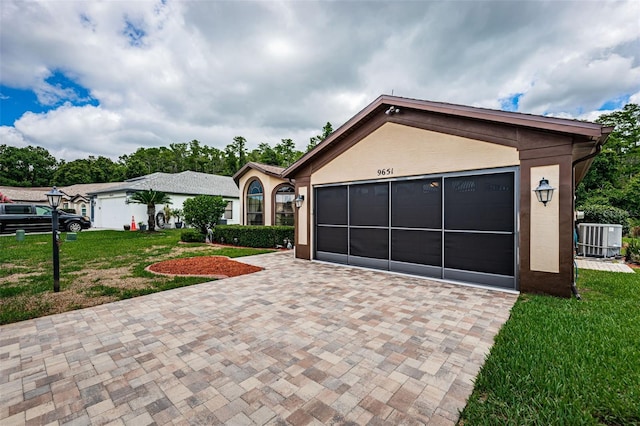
{"x": 298, "y": 343}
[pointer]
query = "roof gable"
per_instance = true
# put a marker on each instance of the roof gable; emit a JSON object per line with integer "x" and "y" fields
{"x": 392, "y": 107}
{"x": 267, "y": 169}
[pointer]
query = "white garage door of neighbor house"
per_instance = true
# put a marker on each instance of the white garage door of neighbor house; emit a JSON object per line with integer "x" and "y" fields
{"x": 458, "y": 227}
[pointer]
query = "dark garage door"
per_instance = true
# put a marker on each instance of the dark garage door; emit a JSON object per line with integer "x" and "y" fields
{"x": 455, "y": 227}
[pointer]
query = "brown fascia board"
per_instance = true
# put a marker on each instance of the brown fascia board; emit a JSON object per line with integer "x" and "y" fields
{"x": 560, "y": 125}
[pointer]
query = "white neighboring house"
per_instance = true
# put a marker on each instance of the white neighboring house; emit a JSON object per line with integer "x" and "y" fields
{"x": 111, "y": 207}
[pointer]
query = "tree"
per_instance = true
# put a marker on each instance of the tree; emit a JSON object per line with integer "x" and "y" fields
{"x": 28, "y": 166}
{"x": 203, "y": 211}
{"x": 287, "y": 153}
{"x": 315, "y": 140}
{"x": 612, "y": 178}
{"x": 151, "y": 198}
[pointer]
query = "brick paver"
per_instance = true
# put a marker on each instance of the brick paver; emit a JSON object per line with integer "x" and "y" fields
{"x": 298, "y": 343}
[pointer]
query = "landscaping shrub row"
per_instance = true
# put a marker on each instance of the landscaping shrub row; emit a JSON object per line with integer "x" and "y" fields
{"x": 253, "y": 236}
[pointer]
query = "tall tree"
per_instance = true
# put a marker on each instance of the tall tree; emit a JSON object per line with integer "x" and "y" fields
{"x": 287, "y": 153}
{"x": 613, "y": 176}
{"x": 235, "y": 155}
{"x": 315, "y": 140}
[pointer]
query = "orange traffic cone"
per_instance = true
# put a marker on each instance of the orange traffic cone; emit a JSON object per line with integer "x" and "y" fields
{"x": 133, "y": 224}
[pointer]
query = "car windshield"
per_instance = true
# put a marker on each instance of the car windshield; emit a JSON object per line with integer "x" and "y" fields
{"x": 43, "y": 211}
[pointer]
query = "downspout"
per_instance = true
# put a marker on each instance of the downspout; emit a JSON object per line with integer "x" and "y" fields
{"x": 574, "y": 288}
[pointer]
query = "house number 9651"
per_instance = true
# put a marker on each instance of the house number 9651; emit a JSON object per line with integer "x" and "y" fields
{"x": 385, "y": 172}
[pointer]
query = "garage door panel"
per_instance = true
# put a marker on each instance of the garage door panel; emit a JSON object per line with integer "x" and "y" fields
{"x": 489, "y": 253}
{"x": 369, "y": 204}
{"x": 332, "y": 240}
{"x": 332, "y": 208}
{"x": 413, "y": 246}
{"x": 416, "y": 203}
{"x": 367, "y": 242}
{"x": 480, "y": 202}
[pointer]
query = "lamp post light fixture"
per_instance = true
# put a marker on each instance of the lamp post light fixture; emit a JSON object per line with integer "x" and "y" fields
{"x": 54, "y": 197}
{"x": 544, "y": 191}
{"x": 299, "y": 200}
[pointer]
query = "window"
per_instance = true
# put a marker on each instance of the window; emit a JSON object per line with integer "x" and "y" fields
{"x": 284, "y": 210}
{"x": 255, "y": 203}
{"x": 228, "y": 211}
{"x": 83, "y": 209}
{"x": 43, "y": 211}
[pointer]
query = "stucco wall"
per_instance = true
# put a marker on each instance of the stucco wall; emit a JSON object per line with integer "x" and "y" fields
{"x": 407, "y": 151}
{"x": 545, "y": 223}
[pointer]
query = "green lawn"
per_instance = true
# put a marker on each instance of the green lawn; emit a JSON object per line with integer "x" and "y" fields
{"x": 100, "y": 267}
{"x": 565, "y": 362}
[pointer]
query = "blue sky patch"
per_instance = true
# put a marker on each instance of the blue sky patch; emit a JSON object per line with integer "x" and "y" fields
{"x": 615, "y": 103}
{"x": 135, "y": 34}
{"x": 57, "y": 90}
{"x": 511, "y": 103}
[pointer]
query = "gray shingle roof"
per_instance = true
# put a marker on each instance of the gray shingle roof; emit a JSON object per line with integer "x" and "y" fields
{"x": 187, "y": 182}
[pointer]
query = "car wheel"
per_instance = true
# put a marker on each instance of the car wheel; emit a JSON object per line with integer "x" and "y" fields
{"x": 74, "y": 227}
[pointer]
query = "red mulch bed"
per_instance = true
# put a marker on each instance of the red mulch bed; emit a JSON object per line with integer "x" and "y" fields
{"x": 213, "y": 266}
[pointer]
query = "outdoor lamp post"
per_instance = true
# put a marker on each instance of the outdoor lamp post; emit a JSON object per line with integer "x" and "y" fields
{"x": 544, "y": 191}
{"x": 54, "y": 197}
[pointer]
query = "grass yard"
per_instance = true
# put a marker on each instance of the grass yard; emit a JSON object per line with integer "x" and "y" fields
{"x": 565, "y": 362}
{"x": 100, "y": 267}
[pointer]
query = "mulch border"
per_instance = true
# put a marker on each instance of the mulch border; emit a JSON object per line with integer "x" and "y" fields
{"x": 215, "y": 276}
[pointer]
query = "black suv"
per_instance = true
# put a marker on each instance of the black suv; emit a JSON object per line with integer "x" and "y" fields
{"x": 34, "y": 217}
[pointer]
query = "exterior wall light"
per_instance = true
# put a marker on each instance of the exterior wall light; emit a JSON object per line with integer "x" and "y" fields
{"x": 299, "y": 200}
{"x": 544, "y": 191}
{"x": 54, "y": 197}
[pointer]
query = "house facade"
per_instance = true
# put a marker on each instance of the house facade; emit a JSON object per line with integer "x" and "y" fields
{"x": 111, "y": 208}
{"x": 267, "y": 198}
{"x": 444, "y": 191}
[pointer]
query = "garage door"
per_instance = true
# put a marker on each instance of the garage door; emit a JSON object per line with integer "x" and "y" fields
{"x": 459, "y": 227}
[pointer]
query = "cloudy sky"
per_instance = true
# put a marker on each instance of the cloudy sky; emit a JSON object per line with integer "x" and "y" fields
{"x": 86, "y": 78}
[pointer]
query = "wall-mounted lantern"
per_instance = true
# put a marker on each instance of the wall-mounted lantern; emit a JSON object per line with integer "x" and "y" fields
{"x": 544, "y": 191}
{"x": 299, "y": 200}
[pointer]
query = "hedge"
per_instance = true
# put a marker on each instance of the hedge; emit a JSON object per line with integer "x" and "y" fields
{"x": 191, "y": 235}
{"x": 601, "y": 213}
{"x": 253, "y": 236}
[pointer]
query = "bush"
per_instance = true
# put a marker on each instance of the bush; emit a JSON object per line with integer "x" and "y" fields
{"x": 600, "y": 213}
{"x": 253, "y": 236}
{"x": 72, "y": 211}
{"x": 203, "y": 211}
{"x": 191, "y": 236}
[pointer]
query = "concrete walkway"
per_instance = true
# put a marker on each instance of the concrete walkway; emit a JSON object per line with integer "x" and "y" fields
{"x": 603, "y": 265}
{"x": 299, "y": 343}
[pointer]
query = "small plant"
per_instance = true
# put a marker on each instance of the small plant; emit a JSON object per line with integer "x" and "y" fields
{"x": 633, "y": 251}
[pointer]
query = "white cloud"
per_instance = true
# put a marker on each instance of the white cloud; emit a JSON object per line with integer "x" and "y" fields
{"x": 175, "y": 71}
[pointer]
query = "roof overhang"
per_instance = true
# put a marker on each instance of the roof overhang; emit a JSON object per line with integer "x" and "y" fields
{"x": 262, "y": 168}
{"x": 587, "y": 135}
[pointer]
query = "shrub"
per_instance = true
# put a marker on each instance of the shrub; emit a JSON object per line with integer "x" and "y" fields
{"x": 191, "y": 236}
{"x": 253, "y": 236}
{"x": 203, "y": 211}
{"x": 600, "y": 213}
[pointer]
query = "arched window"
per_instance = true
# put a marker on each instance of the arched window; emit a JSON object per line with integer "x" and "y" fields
{"x": 283, "y": 206}
{"x": 255, "y": 203}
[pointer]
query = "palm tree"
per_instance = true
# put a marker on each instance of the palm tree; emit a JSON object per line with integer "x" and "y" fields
{"x": 150, "y": 198}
